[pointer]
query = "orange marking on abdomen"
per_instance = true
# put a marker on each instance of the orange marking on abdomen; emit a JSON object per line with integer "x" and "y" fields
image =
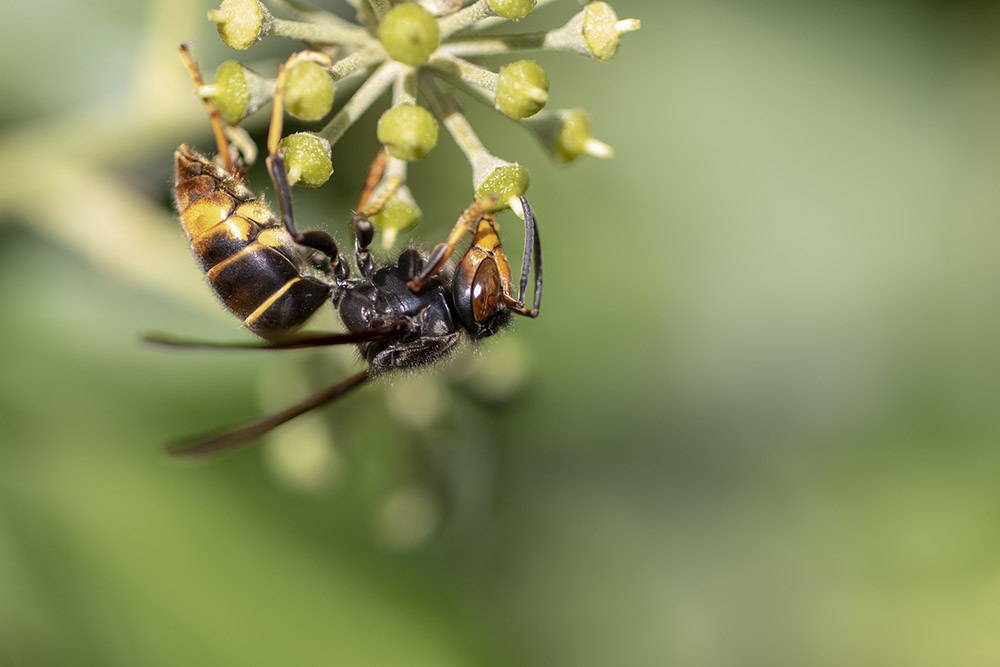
{"x": 206, "y": 213}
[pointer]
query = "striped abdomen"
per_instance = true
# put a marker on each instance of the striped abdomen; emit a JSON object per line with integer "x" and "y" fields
{"x": 248, "y": 257}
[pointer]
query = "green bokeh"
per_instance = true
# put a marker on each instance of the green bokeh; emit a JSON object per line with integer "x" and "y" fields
{"x": 755, "y": 424}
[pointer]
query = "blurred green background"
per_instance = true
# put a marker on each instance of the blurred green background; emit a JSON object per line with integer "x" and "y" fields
{"x": 756, "y": 423}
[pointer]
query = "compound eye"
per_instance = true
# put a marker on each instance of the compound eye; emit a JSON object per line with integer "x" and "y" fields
{"x": 486, "y": 291}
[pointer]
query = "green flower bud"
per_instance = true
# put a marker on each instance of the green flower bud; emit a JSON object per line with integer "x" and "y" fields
{"x": 231, "y": 94}
{"x": 408, "y": 131}
{"x": 309, "y": 92}
{"x": 511, "y": 9}
{"x": 570, "y": 141}
{"x": 399, "y": 214}
{"x": 522, "y": 89}
{"x": 507, "y": 181}
{"x": 409, "y": 34}
{"x": 238, "y": 91}
{"x": 593, "y": 32}
{"x": 307, "y": 159}
{"x": 566, "y": 135}
{"x": 241, "y": 23}
{"x": 601, "y": 29}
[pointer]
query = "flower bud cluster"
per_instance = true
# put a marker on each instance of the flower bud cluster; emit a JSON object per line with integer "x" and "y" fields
{"x": 410, "y": 47}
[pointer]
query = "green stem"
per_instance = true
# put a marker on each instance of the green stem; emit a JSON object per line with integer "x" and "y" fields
{"x": 363, "y": 98}
{"x": 356, "y": 61}
{"x": 395, "y": 168}
{"x": 464, "y": 18}
{"x": 380, "y": 7}
{"x": 404, "y": 90}
{"x": 321, "y": 33}
{"x": 486, "y": 45}
{"x": 464, "y": 71}
{"x": 446, "y": 109}
{"x": 309, "y": 14}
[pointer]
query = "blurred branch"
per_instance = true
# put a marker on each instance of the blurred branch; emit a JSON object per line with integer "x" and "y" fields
{"x": 57, "y": 176}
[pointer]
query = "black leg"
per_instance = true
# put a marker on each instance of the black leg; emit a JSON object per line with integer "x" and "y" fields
{"x": 315, "y": 239}
{"x": 532, "y": 246}
{"x": 410, "y": 263}
{"x": 361, "y": 225}
{"x": 364, "y": 232}
{"x": 532, "y": 255}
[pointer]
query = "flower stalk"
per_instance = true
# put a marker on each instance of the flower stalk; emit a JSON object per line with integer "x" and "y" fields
{"x": 363, "y": 98}
{"x": 320, "y": 33}
{"x": 465, "y": 18}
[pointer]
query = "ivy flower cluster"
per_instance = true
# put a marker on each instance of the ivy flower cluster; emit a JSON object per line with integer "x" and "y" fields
{"x": 411, "y": 47}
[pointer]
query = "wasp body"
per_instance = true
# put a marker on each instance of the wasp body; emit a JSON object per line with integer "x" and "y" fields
{"x": 467, "y": 298}
{"x": 250, "y": 260}
{"x": 400, "y": 315}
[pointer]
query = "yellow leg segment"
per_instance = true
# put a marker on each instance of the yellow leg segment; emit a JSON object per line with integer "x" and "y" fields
{"x": 467, "y": 223}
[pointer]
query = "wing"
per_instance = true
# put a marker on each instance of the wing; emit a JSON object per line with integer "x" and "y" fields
{"x": 242, "y": 435}
{"x": 300, "y": 341}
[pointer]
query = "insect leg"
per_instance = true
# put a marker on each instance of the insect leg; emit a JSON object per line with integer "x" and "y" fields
{"x": 278, "y": 103}
{"x": 442, "y": 251}
{"x": 275, "y": 162}
{"x": 367, "y": 207}
{"x": 532, "y": 248}
{"x": 213, "y": 113}
{"x": 364, "y": 232}
{"x": 374, "y": 177}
